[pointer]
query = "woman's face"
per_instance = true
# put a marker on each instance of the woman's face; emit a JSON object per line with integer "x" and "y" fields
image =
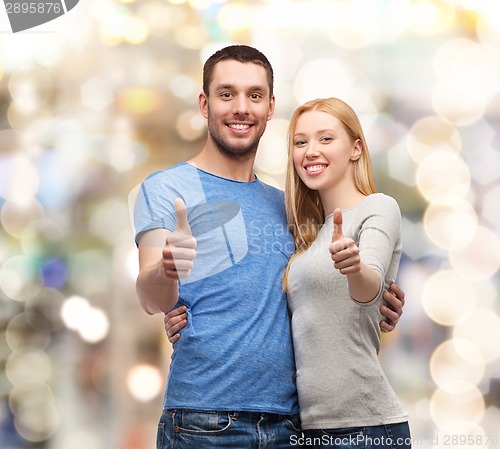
{"x": 323, "y": 152}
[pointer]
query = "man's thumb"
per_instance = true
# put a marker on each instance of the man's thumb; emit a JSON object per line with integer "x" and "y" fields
{"x": 337, "y": 225}
{"x": 182, "y": 219}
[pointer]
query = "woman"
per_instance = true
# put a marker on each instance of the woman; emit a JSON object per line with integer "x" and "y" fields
{"x": 348, "y": 249}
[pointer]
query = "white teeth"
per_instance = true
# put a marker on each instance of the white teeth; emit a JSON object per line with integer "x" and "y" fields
{"x": 239, "y": 126}
{"x": 315, "y": 167}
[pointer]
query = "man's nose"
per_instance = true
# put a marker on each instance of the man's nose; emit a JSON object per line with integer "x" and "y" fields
{"x": 241, "y": 105}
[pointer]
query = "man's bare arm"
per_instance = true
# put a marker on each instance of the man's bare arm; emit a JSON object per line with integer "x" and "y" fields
{"x": 394, "y": 309}
{"x": 164, "y": 258}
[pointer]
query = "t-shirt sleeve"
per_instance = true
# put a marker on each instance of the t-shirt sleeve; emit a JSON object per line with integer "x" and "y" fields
{"x": 380, "y": 237}
{"x": 154, "y": 205}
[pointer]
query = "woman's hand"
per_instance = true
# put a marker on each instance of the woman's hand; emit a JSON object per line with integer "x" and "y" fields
{"x": 175, "y": 320}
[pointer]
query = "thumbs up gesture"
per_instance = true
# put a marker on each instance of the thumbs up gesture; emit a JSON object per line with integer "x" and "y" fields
{"x": 343, "y": 250}
{"x": 179, "y": 251}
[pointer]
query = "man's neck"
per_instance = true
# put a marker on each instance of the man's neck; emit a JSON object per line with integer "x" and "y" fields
{"x": 214, "y": 162}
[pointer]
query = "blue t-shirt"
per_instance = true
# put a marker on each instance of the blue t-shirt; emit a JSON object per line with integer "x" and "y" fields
{"x": 236, "y": 351}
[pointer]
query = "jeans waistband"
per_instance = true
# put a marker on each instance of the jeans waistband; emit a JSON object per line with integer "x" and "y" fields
{"x": 237, "y": 414}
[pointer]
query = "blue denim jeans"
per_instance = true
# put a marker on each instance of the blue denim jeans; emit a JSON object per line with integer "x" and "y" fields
{"x": 389, "y": 436}
{"x": 194, "y": 429}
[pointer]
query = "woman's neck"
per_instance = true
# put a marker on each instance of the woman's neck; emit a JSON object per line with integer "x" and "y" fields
{"x": 343, "y": 198}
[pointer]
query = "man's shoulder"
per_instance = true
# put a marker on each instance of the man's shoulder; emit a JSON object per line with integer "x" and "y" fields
{"x": 179, "y": 177}
{"x": 272, "y": 190}
{"x": 181, "y": 167}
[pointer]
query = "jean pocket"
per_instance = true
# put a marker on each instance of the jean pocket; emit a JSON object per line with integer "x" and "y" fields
{"x": 398, "y": 435}
{"x": 160, "y": 435}
{"x": 203, "y": 422}
{"x": 344, "y": 438}
{"x": 293, "y": 422}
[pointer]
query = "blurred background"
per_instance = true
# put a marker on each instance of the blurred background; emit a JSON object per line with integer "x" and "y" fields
{"x": 94, "y": 101}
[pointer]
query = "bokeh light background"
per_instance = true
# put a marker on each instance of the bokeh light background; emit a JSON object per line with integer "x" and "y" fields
{"x": 94, "y": 101}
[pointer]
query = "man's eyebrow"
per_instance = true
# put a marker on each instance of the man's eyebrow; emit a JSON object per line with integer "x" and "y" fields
{"x": 224, "y": 86}
{"x": 256, "y": 88}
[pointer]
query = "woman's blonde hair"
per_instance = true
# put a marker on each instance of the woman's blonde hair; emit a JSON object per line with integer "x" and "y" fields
{"x": 304, "y": 210}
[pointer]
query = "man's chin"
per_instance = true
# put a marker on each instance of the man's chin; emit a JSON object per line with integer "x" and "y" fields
{"x": 236, "y": 153}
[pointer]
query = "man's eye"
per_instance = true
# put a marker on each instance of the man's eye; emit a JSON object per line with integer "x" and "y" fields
{"x": 255, "y": 96}
{"x": 226, "y": 95}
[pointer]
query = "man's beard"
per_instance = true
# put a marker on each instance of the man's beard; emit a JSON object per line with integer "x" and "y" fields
{"x": 238, "y": 153}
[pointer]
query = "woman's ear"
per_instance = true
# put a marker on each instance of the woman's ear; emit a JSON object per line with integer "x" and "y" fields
{"x": 357, "y": 149}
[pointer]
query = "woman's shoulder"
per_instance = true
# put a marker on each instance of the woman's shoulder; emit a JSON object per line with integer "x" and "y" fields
{"x": 380, "y": 200}
{"x": 378, "y": 205}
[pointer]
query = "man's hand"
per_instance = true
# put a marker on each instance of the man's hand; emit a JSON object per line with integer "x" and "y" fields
{"x": 394, "y": 308}
{"x": 343, "y": 250}
{"x": 175, "y": 320}
{"x": 180, "y": 247}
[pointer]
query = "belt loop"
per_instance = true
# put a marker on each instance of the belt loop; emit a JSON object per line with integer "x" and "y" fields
{"x": 176, "y": 416}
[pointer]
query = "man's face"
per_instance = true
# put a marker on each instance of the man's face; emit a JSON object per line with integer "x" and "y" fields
{"x": 237, "y": 108}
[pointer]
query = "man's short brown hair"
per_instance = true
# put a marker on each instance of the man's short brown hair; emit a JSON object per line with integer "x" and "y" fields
{"x": 241, "y": 53}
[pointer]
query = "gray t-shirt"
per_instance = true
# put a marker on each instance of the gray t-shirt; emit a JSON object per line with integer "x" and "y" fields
{"x": 337, "y": 339}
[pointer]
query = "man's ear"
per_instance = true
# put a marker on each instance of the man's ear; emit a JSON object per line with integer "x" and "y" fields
{"x": 272, "y": 103}
{"x": 357, "y": 149}
{"x": 203, "y": 104}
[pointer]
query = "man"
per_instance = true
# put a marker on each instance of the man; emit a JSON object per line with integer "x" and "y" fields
{"x": 214, "y": 239}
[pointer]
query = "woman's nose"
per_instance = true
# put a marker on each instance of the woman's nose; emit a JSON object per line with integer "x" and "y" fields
{"x": 312, "y": 151}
